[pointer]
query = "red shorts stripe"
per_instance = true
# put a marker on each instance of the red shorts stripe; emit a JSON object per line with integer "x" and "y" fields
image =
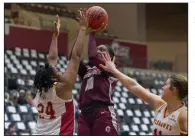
{"x": 67, "y": 120}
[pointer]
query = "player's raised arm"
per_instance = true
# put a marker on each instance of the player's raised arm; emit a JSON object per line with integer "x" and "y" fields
{"x": 75, "y": 58}
{"x": 53, "y": 50}
{"x": 131, "y": 84}
{"x": 82, "y": 68}
{"x": 92, "y": 48}
{"x": 69, "y": 76}
{"x": 92, "y": 51}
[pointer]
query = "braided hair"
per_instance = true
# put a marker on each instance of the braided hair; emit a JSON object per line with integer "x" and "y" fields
{"x": 43, "y": 78}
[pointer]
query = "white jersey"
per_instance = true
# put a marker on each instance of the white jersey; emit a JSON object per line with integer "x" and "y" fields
{"x": 167, "y": 125}
{"x": 56, "y": 116}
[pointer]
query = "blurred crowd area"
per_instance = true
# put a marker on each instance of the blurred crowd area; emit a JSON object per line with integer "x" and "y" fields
{"x": 17, "y": 95}
{"x": 42, "y": 15}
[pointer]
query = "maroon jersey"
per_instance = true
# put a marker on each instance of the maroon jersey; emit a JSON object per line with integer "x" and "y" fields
{"x": 97, "y": 86}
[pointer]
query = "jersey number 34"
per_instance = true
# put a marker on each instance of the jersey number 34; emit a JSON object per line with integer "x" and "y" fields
{"x": 49, "y": 110}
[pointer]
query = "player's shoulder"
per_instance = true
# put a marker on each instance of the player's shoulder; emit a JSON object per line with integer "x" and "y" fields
{"x": 182, "y": 120}
{"x": 183, "y": 114}
{"x": 160, "y": 104}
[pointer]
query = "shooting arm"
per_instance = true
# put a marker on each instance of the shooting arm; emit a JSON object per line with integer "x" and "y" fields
{"x": 92, "y": 51}
{"x": 53, "y": 52}
{"x": 70, "y": 74}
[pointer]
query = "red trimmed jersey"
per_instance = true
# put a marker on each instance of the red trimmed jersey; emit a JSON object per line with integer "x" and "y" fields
{"x": 167, "y": 125}
{"x": 55, "y": 116}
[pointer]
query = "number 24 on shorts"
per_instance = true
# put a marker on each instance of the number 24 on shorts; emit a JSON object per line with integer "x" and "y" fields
{"x": 49, "y": 110}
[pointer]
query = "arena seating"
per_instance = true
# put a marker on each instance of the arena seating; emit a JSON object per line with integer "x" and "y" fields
{"x": 42, "y": 16}
{"x": 52, "y": 9}
{"x": 134, "y": 115}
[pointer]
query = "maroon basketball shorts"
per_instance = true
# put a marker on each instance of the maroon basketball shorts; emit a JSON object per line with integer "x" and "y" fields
{"x": 99, "y": 121}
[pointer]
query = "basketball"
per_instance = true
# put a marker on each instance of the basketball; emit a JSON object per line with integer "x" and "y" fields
{"x": 96, "y": 17}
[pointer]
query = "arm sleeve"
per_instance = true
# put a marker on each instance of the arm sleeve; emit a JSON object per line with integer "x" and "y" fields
{"x": 92, "y": 51}
{"x": 53, "y": 52}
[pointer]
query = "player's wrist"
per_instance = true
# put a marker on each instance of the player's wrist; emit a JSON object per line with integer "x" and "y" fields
{"x": 55, "y": 36}
{"x": 83, "y": 28}
{"x": 114, "y": 71}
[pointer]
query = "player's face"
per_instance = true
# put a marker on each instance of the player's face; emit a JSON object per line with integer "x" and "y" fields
{"x": 167, "y": 92}
{"x": 101, "y": 49}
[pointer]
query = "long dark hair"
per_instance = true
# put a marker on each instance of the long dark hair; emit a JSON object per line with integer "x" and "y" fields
{"x": 43, "y": 78}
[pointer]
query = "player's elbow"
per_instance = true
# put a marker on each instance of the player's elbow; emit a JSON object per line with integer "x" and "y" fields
{"x": 76, "y": 58}
{"x": 130, "y": 83}
{"x": 51, "y": 58}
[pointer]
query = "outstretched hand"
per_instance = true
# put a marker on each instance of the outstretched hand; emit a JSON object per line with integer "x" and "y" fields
{"x": 83, "y": 21}
{"x": 109, "y": 64}
{"x": 57, "y": 26}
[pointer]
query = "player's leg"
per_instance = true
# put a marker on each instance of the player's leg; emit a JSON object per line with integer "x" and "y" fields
{"x": 83, "y": 126}
{"x": 105, "y": 123}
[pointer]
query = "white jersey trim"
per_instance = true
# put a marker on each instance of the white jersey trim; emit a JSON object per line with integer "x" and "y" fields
{"x": 113, "y": 115}
{"x": 181, "y": 109}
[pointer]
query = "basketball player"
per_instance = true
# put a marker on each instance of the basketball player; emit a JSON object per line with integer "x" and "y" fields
{"x": 97, "y": 115}
{"x": 54, "y": 97}
{"x": 170, "y": 112}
